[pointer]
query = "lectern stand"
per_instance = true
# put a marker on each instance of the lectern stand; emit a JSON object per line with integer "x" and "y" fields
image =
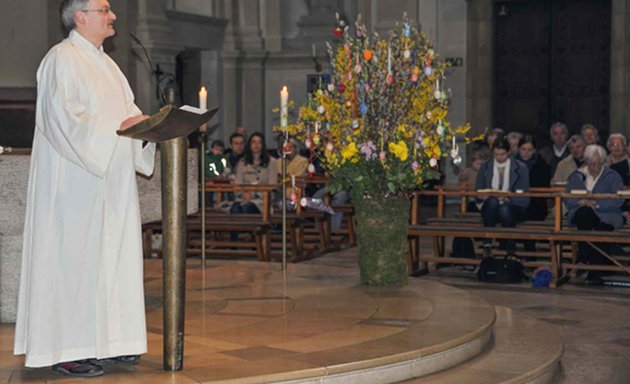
{"x": 170, "y": 127}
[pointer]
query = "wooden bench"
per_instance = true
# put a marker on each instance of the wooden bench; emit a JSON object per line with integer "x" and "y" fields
{"x": 552, "y": 231}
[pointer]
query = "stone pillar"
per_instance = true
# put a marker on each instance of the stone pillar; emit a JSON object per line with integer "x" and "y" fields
{"x": 620, "y": 67}
{"x": 272, "y": 28}
{"x": 244, "y": 67}
{"x": 155, "y": 30}
{"x": 480, "y": 68}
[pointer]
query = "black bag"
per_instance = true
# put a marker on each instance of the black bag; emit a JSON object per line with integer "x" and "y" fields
{"x": 501, "y": 270}
{"x": 463, "y": 247}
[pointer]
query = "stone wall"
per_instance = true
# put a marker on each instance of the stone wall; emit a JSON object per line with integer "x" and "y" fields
{"x": 13, "y": 186}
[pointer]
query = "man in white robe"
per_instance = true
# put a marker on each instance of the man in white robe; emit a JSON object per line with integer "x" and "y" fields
{"x": 81, "y": 290}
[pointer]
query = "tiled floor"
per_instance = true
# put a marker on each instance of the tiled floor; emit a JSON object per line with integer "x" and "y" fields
{"x": 251, "y": 319}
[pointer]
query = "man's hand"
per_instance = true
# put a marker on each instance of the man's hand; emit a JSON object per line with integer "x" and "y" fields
{"x": 132, "y": 121}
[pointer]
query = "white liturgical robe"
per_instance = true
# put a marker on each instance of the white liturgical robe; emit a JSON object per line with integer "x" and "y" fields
{"x": 81, "y": 288}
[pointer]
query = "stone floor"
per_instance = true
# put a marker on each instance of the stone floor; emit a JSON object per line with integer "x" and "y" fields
{"x": 247, "y": 319}
{"x": 592, "y": 321}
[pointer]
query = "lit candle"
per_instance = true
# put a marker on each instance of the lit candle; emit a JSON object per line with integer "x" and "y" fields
{"x": 284, "y": 107}
{"x": 203, "y": 99}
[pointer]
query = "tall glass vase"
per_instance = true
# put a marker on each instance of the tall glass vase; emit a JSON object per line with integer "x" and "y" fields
{"x": 382, "y": 236}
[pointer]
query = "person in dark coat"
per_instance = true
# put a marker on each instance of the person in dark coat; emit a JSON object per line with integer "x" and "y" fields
{"x": 503, "y": 174}
{"x": 558, "y": 150}
{"x": 539, "y": 176}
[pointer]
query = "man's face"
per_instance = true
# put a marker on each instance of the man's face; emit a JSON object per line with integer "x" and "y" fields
{"x": 558, "y": 137}
{"x": 577, "y": 150}
{"x": 590, "y": 136}
{"x": 96, "y": 22}
{"x": 238, "y": 145}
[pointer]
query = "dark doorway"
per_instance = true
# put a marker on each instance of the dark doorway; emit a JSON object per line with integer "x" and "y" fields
{"x": 552, "y": 61}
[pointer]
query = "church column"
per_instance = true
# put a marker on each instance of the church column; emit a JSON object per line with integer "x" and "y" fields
{"x": 620, "y": 67}
{"x": 243, "y": 67}
{"x": 155, "y": 30}
{"x": 480, "y": 67}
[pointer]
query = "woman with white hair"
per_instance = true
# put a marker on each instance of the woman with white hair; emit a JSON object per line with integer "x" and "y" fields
{"x": 595, "y": 177}
{"x": 594, "y": 214}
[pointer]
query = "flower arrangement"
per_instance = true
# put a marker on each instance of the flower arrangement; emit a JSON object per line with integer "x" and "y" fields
{"x": 380, "y": 125}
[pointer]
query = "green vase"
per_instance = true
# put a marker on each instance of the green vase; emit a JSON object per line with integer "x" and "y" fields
{"x": 382, "y": 236}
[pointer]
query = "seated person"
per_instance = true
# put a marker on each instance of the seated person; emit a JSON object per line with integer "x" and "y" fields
{"x": 501, "y": 173}
{"x": 623, "y": 168}
{"x": 296, "y": 164}
{"x": 216, "y": 164}
{"x": 469, "y": 175}
{"x": 595, "y": 177}
{"x": 539, "y": 176}
{"x": 514, "y": 138}
{"x": 236, "y": 150}
{"x": 590, "y": 134}
{"x": 485, "y": 146}
{"x": 571, "y": 163}
{"x": 594, "y": 214}
{"x": 557, "y": 151}
{"x": 256, "y": 167}
{"x": 618, "y": 160}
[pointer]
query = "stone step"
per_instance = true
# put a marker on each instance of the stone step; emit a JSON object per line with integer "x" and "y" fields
{"x": 524, "y": 350}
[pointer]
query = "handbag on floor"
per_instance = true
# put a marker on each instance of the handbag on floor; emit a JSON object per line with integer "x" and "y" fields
{"x": 501, "y": 270}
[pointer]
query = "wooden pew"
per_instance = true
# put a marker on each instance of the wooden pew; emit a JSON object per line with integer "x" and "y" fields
{"x": 554, "y": 231}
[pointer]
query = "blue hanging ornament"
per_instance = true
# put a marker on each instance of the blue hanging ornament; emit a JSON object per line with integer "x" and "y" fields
{"x": 363, "y": 108}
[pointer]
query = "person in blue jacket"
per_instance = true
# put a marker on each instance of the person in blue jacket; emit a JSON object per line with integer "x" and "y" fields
{"x": 595, "y": 177}
{"x": 587, "y": 213}
{"x": 502, "y": 174}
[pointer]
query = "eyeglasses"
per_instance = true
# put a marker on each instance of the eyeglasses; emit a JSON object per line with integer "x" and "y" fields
{"x": 102, "y": 11}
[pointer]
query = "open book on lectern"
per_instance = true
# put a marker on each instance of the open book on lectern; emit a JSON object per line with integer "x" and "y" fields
{"x": 169, "y": 123}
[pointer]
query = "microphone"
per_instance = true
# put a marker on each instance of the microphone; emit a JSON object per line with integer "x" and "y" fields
{"x": 156, "y": 72}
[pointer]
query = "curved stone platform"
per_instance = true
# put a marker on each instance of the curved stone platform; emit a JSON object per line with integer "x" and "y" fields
{"x": 252, "y": 323}
{"x": 523, "y": 350}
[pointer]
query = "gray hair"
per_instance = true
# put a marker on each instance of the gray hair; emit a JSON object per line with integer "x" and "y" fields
{"x": 575, "y": 138}
{"x": 561, "y": 125}
{"x": 616, "y": 136}
{"x": 68, "y": 9}
{"x": 593, "y": 149}
{"x": 589, "y": 126}
{"x": 514, "y": 135}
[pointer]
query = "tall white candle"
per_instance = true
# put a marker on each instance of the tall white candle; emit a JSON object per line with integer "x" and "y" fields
{"x": 203, "y": 98}
{"x": 284, "y": 107}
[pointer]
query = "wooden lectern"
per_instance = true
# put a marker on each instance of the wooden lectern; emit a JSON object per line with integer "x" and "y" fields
{"x": 170, "y": 127}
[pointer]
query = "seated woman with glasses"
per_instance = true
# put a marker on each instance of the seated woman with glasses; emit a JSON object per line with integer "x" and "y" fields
{"x": 502, "y": 174}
